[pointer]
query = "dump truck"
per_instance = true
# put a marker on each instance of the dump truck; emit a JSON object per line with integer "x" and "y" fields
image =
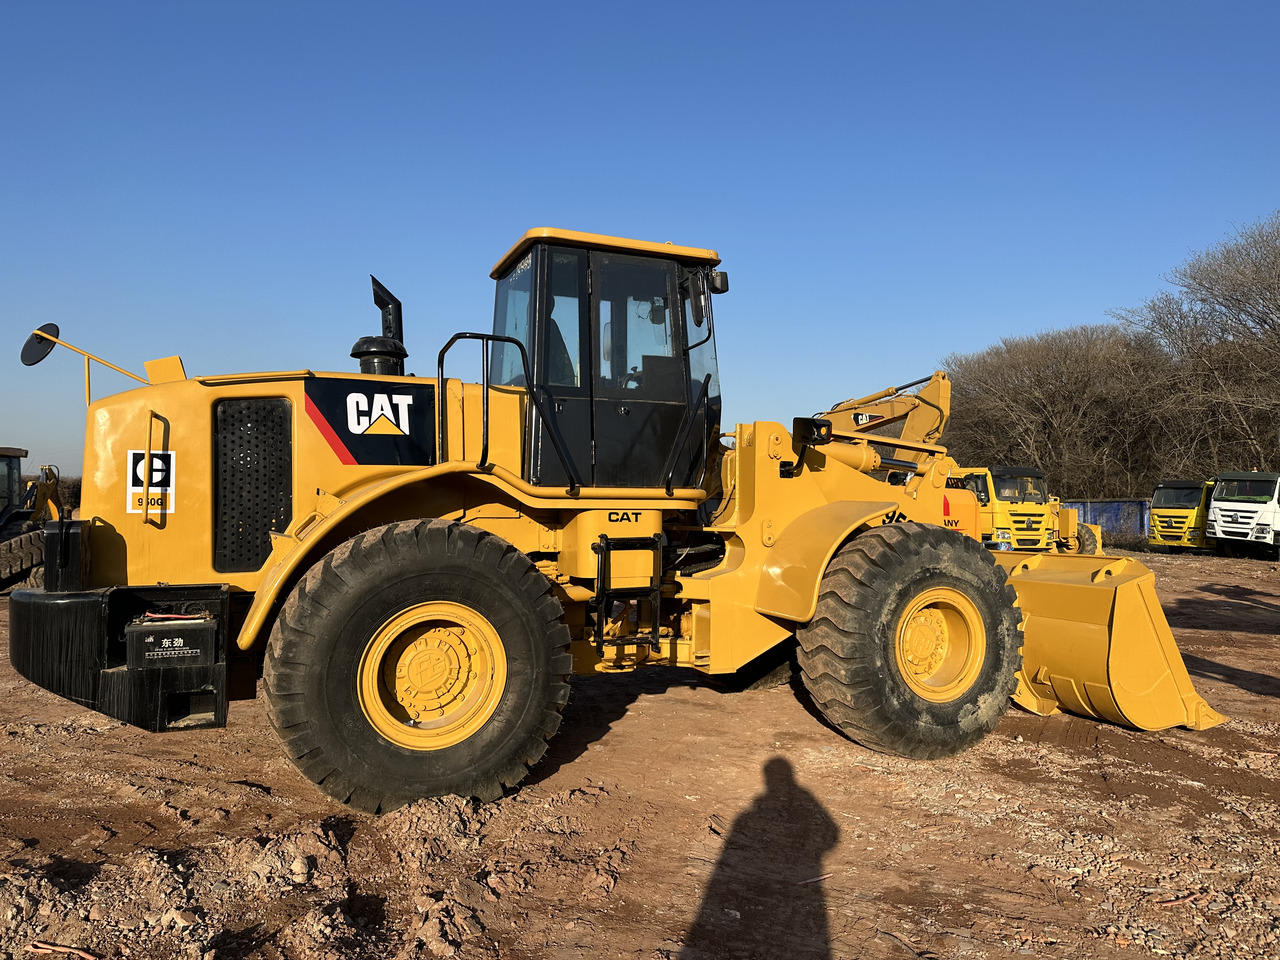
{"x": 1178, "y": 512}
{"x": 1244, "y": 513}
{"x": 415, "y": 566}
{"x": 23, "y": 508}
{"x": 1017, "y": 512}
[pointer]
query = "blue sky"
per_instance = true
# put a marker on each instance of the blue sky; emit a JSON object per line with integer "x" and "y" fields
{"x": 887, "y": 183}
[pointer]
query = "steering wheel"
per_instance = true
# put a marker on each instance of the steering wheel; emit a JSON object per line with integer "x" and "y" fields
{"x": 633, "y": 378}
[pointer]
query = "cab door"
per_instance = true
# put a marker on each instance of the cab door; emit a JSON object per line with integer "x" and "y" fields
{"x": 563, "y": 372}
{"x": 641, "y": 380}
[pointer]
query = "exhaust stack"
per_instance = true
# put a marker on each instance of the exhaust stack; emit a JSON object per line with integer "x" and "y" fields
{"x": 384, "y": 355}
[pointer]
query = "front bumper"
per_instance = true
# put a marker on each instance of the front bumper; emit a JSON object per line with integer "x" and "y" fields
{"x": 154, "y": 657}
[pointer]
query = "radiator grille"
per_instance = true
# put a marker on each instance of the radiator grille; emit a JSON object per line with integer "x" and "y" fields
{"x": 253, "y": 482}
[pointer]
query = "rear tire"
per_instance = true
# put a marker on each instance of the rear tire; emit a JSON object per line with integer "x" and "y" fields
{"x": 419, "y": 659}
{"x": 1085, "y": 543}
{"x": 915, "y": 644}
{"x": 19, "y": 556}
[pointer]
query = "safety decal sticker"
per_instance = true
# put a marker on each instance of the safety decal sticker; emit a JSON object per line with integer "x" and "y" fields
{"x": 373, "y": 421}
{"x": 151, "y": 490}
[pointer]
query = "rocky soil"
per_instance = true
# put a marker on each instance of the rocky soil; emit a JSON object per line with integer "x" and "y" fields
{"x": 676, "y": 818}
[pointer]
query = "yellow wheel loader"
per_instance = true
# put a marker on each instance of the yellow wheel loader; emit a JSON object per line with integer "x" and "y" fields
{"x": 415, "y": 566}
{"x": 22, "y": 510}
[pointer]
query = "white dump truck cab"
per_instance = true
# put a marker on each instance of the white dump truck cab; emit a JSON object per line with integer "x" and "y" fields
{"x": 1244, "y": 511}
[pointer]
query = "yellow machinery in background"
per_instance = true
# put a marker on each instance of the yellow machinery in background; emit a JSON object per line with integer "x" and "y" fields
{"x": 415, "y": 566}
{"x": 1179, "y": 509}
{"x": 1017, "y": 512}
{"x": 23, "y": 509}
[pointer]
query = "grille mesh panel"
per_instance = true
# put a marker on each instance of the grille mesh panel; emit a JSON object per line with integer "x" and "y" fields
{"x": 253, "y": 482}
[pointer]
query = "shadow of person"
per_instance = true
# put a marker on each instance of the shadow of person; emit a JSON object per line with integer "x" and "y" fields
{"x": 765, "y": 898}
{"x": 1259, "y": 683}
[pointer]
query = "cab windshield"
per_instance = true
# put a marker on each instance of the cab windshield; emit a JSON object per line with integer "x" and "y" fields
{"x": 512, "y": 317}
{"x": 1260, "y": 490}
{"x": 1176, "y": 498}
{"x": 1021, "y": 489}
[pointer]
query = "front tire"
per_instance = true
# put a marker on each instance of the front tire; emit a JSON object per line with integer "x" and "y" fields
{"x": 915, "y": 644}
{"x": 419, "y": 659}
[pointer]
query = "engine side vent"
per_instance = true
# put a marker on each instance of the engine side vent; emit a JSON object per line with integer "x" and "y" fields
{"x": 253, "y": 480}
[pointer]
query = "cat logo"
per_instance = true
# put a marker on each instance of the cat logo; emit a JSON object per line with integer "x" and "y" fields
{"x": 384, "y": 415}
{"x": 370, "y": 422}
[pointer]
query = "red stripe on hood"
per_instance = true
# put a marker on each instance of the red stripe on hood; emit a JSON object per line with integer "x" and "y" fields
{"x": 329, "y": 434}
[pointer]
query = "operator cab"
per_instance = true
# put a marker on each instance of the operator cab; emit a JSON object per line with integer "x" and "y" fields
{"x": 10, "y": 479}
{"x": 1019, "y": 484}
{"x": 619, "y": 339}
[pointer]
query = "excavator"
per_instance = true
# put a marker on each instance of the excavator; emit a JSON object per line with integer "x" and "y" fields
{"x": 412, "y": 567}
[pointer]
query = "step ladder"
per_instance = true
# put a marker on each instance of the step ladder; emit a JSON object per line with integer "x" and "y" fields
{"x": 601, "y": 604}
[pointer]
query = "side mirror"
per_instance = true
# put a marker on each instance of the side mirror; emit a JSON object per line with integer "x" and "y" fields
{"x": 692, "y": 287}
{"x": 37, "y": 347}
{"x": 719, "y": 282}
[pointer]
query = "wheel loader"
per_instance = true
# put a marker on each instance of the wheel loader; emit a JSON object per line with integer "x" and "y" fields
{"x": 414, "y": 566}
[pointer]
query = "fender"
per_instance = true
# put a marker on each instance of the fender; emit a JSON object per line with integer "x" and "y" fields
{"x": 300, "y": 546}
{"x": 794, "y": 565}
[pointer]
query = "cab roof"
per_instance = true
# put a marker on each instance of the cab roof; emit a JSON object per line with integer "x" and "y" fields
{"x": 1006, "y": 470}
{"x": 13, "y": 452}
{"x": 1182, "y": 484}
{"x": 598, "y": 241}
{"x": 1248, "y": 475}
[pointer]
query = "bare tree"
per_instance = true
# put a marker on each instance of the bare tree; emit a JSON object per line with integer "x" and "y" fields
{"x": 1223, "y": 325}
{"x": 1186, "y": 385}
{"x": 1067, "y": 401}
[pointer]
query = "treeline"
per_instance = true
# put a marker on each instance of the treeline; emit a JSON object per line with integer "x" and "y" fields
{"x": 1184, "y": 386}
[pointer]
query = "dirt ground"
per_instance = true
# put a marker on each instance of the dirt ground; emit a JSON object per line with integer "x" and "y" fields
{"x": 676, "y": 819}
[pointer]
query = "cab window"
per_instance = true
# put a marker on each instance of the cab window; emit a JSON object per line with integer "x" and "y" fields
{"x": 976, "y": 483}
{"x": 567, "y": 309}
{"x": 512, "y": 317}
{"x": 638, "y": 353}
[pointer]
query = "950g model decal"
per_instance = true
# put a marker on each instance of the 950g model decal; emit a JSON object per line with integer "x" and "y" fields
{"x": 373, "y": 421}
{"x": 151, "y": 491}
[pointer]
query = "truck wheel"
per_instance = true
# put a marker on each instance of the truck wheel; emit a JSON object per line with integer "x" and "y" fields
{"x": 418, "y": 659}
{"x": 915, "y": 643}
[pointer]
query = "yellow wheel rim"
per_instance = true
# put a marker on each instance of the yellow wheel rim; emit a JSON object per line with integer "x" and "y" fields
{"x": 940, "y": 644}
{"x": 432, "y": 675}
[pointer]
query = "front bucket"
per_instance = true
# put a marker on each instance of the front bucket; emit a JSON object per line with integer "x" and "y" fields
{"x": 1096, "y": 643}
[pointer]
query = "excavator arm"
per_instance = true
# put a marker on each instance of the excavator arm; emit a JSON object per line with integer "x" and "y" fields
{"x": 876, "y": 418}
